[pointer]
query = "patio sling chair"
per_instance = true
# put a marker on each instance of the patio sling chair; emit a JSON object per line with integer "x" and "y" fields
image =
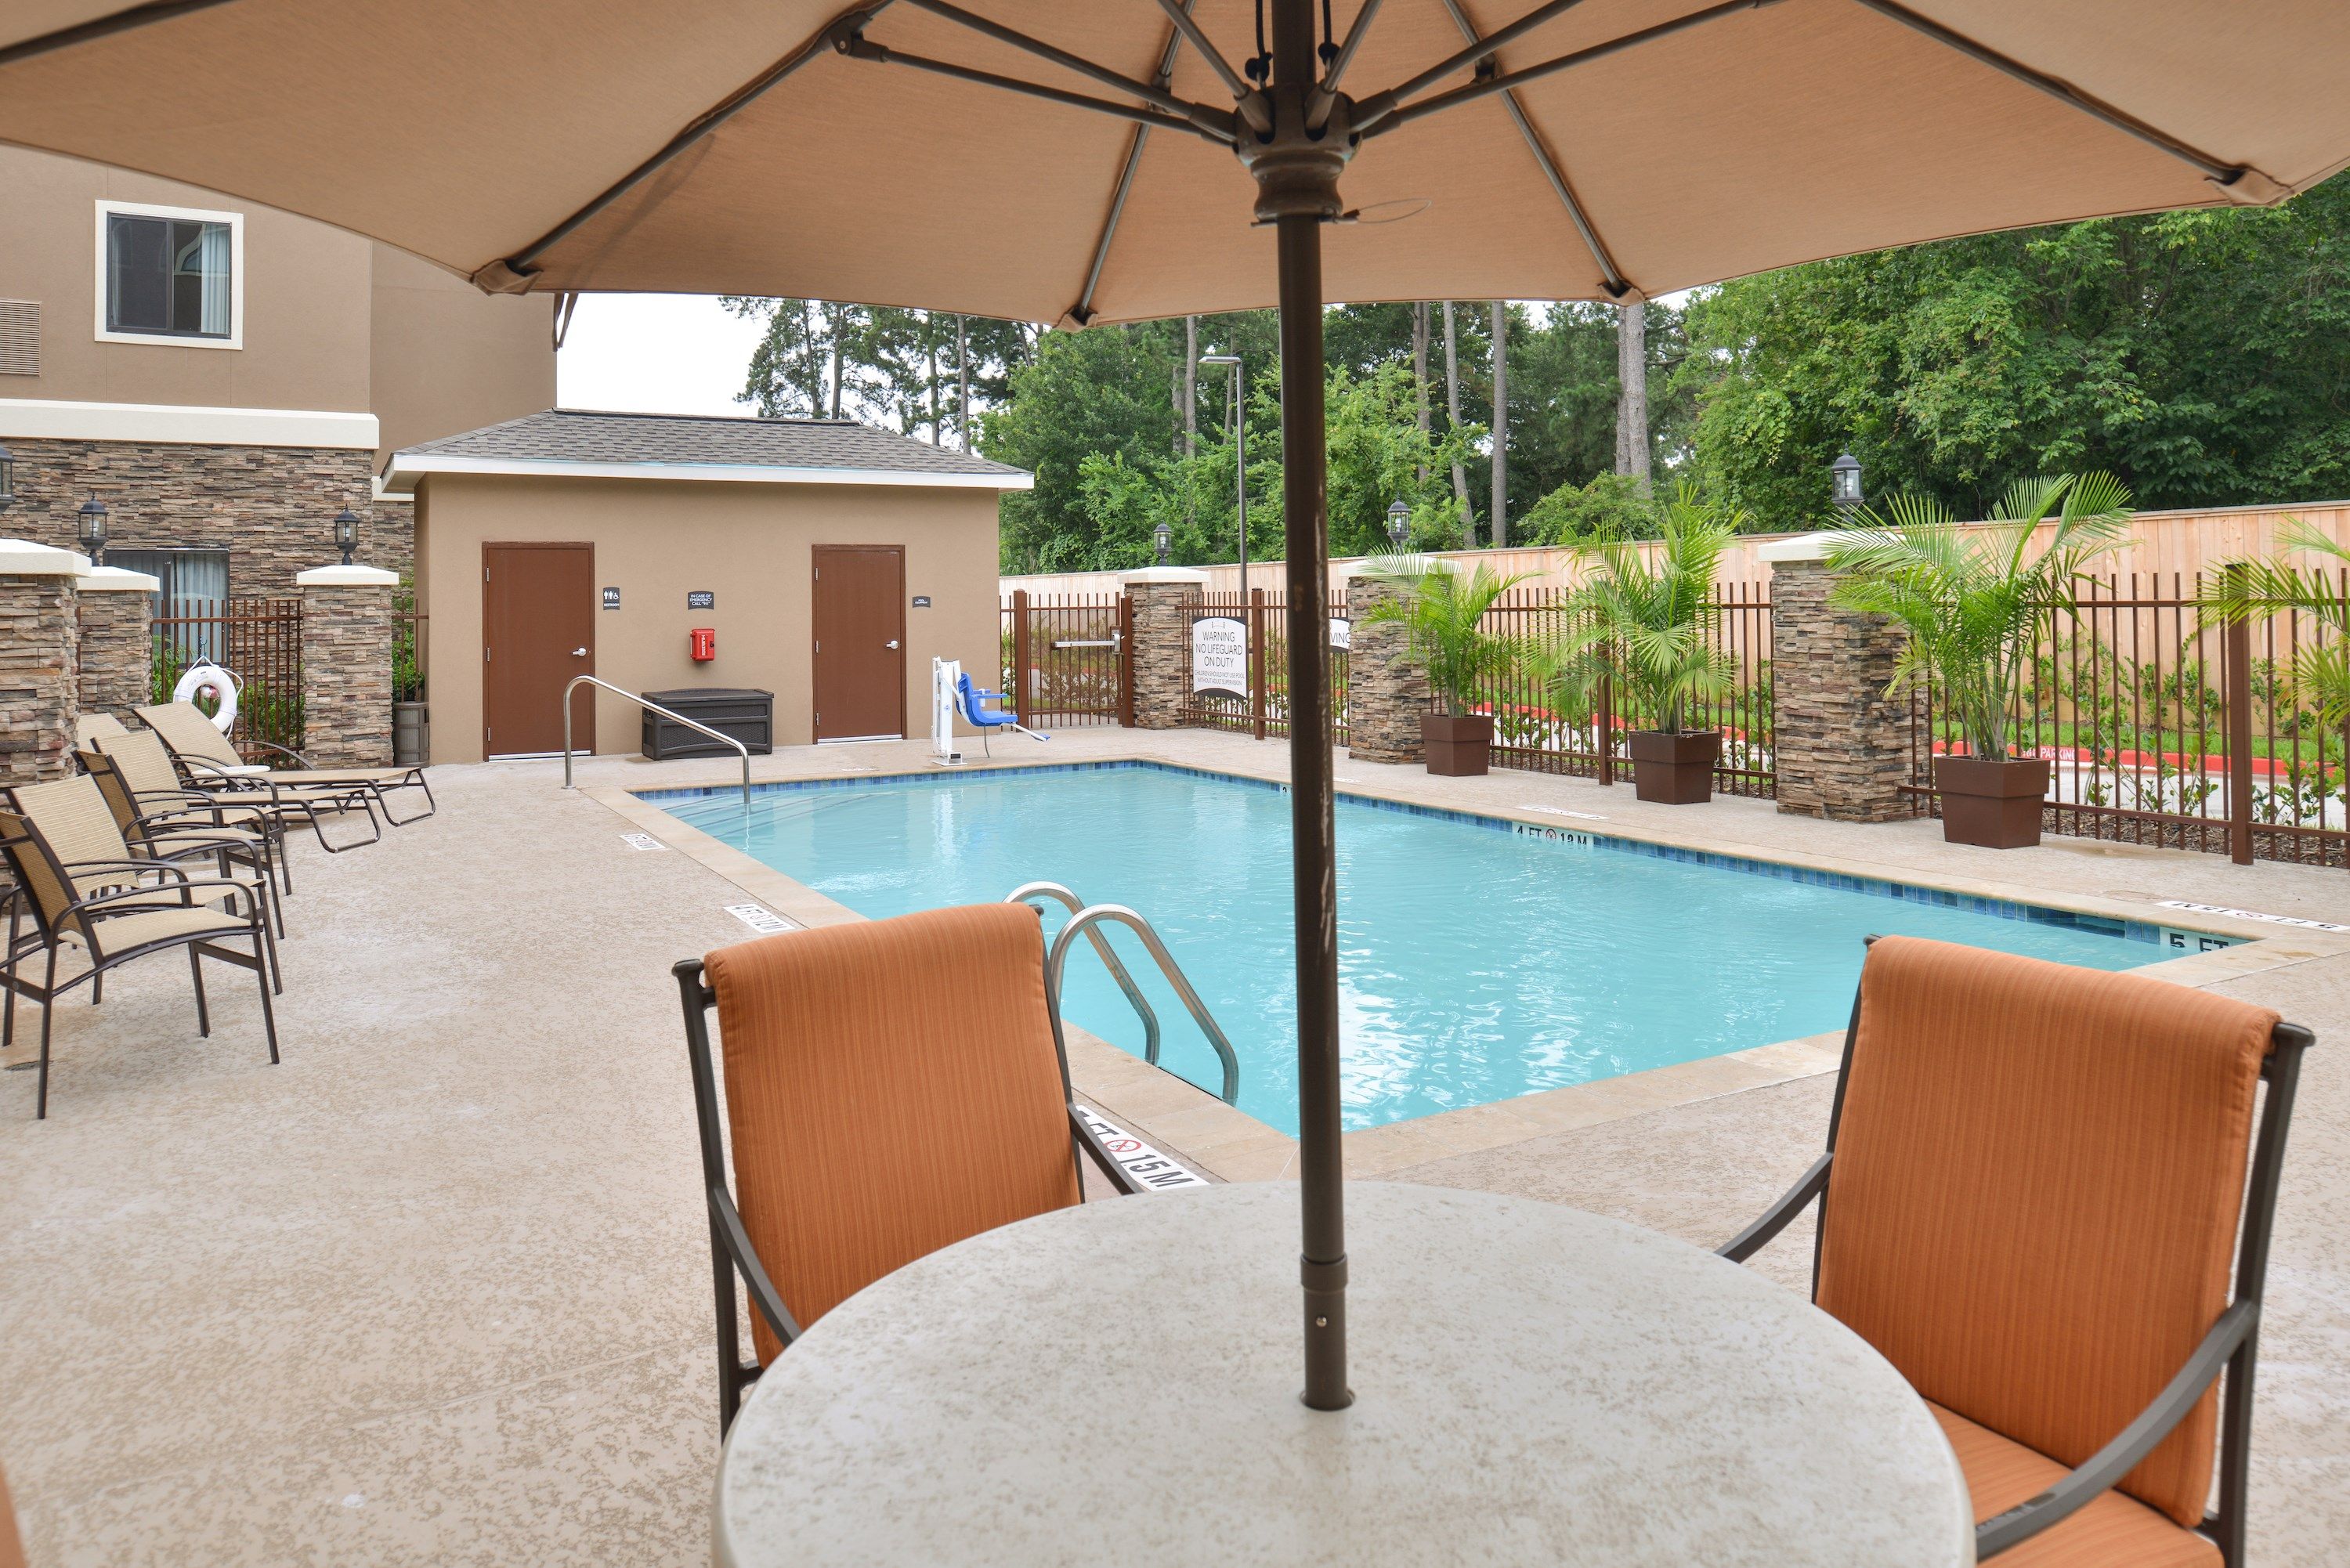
{"x": 846, "y": 1047}
{"x": 151, "y": 766}
{"x": 173, "y": 834}
{"x": 2028, "y": 1203}
{"x": 84, "y": 891}
{"x": 208, "y": 757}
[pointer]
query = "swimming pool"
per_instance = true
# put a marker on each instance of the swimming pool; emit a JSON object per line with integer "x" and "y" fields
{"x": 1478, "y": 960}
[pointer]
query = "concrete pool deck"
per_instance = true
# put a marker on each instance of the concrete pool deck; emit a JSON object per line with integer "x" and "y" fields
{"x": 435, "y": 1290}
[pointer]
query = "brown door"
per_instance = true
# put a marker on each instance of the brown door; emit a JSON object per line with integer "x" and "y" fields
{"x": 539, "y": 631}
{"x": 860, "y": 641}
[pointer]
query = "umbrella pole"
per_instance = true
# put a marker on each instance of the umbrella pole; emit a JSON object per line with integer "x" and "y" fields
{"x": 1322, "y": 1263}
{"x": 1296, "y": 173}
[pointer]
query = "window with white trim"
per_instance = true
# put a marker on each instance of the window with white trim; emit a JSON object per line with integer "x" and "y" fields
{"x": 169, "y": 275}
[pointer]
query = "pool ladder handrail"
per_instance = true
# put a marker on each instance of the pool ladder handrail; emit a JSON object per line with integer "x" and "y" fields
{"x": 1086, "y": 920}
{"x": 576, "y": 681}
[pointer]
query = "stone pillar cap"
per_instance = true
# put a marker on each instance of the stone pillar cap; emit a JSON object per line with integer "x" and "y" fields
{"x": 346, "y": 578}
{"x": 1802, "y": 548}
{"x": 116, "y": 579}
{"x": 24, "y": 558}
{"x": 1186, "y": 574}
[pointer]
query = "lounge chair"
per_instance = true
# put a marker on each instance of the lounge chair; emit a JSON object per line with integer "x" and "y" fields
{"x": 84, "y": 889}
{"x": 88, "y": 727}
{"x": 174, "y": 834}
{"x": 149, "y": 766}
{"x": 2028, "y": 1203}
{"x": 207, "y": 755}
{"x": 892, "y": 1088}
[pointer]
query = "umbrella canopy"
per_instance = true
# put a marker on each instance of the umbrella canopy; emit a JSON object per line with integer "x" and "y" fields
{"x": 1081, "y": 160}
{"x": 1754, "y": 137}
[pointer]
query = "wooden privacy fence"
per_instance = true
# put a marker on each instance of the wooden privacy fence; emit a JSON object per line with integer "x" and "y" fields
{"x": 2161, "y": 730}
{"x": 257, "y": 639}
{"x": 1064, "y": 659}
{"x": 1264, "y": 711}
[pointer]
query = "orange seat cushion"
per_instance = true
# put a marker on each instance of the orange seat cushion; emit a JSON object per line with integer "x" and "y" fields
{"x": 2033, "y": 1209}
{"x": 2112, "y": 1532}
{"x": 892, "y": 1088}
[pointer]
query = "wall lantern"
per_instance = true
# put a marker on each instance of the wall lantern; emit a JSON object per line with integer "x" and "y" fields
{"x": 346, "y": 533}
{"x": 1399, "y": 522}
{"x": 1843, "y": 481}
{"x": 1159, "y": 540}
{"x": 7, "y": 479}
{"x": 90, "y": 530}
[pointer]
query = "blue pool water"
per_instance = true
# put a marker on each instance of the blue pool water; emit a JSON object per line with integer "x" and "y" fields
{"x": 1476, "y": 962}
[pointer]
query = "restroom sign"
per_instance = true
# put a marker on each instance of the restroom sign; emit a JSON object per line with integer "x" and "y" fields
{"x": 1220, "y": 655}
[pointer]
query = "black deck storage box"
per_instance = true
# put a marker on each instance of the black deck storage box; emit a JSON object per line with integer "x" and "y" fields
{"x": 748, "y": 716}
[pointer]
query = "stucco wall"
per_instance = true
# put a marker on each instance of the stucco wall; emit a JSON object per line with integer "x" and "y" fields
{"x": 305, "y": 299}
{"x": 449, "y": 358}
{"x": 748, "y": 543}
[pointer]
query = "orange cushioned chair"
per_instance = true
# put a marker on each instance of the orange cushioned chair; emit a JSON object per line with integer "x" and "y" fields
{"x": 2028, "y": 1205}
{"x": 892, "y": 1086}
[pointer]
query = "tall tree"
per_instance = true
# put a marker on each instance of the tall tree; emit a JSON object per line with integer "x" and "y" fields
{"x": 1190, "y": 386}
{"x": 1501, "y": 514}
{"x": 1632, "y": 393}
{"x": 963, "y": 383}
{"x": 1452, "y": 409}
{"x": 2204, "y": 358}
{"x": 1419, "y": 363}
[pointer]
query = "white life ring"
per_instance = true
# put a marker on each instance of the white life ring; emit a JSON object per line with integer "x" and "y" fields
{"x": 219, "y": 682}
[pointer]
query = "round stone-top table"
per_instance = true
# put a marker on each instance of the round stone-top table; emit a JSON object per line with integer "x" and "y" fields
{"x": 1117, "y": 1383}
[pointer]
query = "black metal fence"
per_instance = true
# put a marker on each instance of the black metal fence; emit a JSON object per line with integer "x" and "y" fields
{"x": 257, "y": 639}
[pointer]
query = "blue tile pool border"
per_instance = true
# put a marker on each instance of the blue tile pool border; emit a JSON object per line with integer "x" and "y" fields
{"x": 1874, "y": 886}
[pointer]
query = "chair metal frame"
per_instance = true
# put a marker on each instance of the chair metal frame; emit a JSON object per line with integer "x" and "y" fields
{"x": 731, "y": 1253}
{"x": 89, "y": 913}
{"x": 376, "y": 783}
{"x": 174, "y": 836}
{"x": 2232, "y": 1345}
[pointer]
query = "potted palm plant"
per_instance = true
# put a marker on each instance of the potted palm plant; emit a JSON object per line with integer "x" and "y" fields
{"x": 1644, "y": 618}
{"x": 1443, "y": 617}
{"x": 1973, "y": 600}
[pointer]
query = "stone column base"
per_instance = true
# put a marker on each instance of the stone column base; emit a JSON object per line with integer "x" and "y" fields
{"x": 1387, "y": 692}
{"x": 1162, "y": 596}
{"x": 347, "y": 666}
{"x": 1841, "y": 747}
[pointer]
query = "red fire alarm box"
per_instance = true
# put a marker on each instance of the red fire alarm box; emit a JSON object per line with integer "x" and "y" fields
{"x": 706, "y": 643}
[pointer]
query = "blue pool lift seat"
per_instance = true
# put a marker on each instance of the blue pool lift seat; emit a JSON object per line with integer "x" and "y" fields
{"x": 971, "y": 702}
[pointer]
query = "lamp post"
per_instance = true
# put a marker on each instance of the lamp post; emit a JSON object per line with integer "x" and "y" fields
{"x": 1240, "y": 451}
{"x": 1399, "y": 522}
{"x": 1844, "y": 484}
{"x": 1158, "y": 540}
{"x": 7, "y": 479}
{"x": 346, "y": 533}
{"x": 89, "y": 530}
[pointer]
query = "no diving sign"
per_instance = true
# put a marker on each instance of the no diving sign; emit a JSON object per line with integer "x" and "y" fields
{"x": 1145, "y": 1164}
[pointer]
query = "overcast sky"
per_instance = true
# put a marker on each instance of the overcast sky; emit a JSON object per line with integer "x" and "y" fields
{"x": 664, "y": 354}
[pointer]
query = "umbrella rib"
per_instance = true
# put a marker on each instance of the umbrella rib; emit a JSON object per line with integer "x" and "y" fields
{"x": 701, "y": 125}
{"x": 103, "y": 28}
{"x": 1180, "y": 13}
{"x": 1383, "y": 113}
{"x": 1083, "y": 311}
{"x": 1611, "y": 276}
{"x": 1479, "y": 49}
{"x": 863, "y": 48}
{"x": 1317, "y": 104}
{"x": 1151, "y": 93}
{"x": 2218, "y": 169}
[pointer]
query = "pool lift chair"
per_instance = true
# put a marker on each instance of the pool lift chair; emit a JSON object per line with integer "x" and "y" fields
{"x": 969, "y": 702}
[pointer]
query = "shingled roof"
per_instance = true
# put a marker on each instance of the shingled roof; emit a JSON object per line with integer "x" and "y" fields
{"x": 589, "y": 444}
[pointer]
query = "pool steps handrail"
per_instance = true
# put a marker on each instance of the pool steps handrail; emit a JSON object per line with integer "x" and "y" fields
{"x": 1029, "y": 892}
{"x": 578, "y": 681}
{"x": 1082, "y": 923}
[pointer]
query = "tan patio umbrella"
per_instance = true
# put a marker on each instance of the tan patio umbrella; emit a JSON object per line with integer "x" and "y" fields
{"x": 1082, "y": 160}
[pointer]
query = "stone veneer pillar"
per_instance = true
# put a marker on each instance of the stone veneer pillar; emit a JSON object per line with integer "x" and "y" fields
{"x": 118, "y": 639}
{"x": 39, "y": 660}
{"x": 1162, "y": 621}
{"x": 347, "y": 665}
{"x": 1841, "y": 747}
{"x": 1386, "y": 692}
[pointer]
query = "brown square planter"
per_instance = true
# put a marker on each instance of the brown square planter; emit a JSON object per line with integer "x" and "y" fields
{"x": 1458, "y": 744}
{"x": 1992, "y": 804}
{"x": 1674, "y": 769}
